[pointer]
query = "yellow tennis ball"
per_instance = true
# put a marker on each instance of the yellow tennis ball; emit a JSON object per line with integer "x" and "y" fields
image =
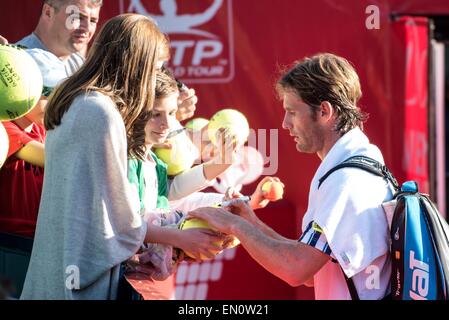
{"x": 201, "y": 224}
{"x": 197, "y": 124}
{"x": 4, "y": 144}
{"x": 230, "y": 119}
{"x": 274, "y": 189}
{"x": 20, "y": 82}
{"x": 180, "y": 157}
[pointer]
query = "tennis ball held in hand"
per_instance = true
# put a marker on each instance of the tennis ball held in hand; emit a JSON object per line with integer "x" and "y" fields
{"x": 274, "y": 190}
{"x": 232, "y": 120}
{"x": 201, "y": 224}
{"x": 180, "y": 157}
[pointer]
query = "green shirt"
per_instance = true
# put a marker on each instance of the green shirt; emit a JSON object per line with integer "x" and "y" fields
{"x": 136, "y": 177}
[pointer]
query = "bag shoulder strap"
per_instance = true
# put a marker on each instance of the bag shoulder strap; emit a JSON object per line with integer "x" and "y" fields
{"x": 351, "y": 287}
{"x": 364, "y": 163}
{"x": 374, "y": 167}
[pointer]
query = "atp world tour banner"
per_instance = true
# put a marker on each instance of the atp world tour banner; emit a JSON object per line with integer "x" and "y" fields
{"x": 201, "y": 40}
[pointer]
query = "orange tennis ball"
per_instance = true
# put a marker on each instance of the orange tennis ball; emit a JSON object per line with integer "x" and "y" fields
{"x": 274, "y": 190}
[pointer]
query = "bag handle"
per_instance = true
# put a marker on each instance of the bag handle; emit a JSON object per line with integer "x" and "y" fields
{"x": 364, "y": 163}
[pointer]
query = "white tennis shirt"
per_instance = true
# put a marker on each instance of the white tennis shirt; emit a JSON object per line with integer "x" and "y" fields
{"x": 347, "y": 207}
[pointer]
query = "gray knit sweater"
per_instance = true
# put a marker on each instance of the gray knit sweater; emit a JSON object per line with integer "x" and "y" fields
{"x": 89, "y": 219}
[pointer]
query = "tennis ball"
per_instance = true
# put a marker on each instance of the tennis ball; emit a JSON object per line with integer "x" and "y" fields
{"x": 201, "y": 224}
{"x": 4, "y": 144}
{"x": 197, "y": 124}
{"x": 180, "y": 157}
{"x": 20, "y": 82}
{"x": 274, "y": 190}
{"x": 232, "y": 120}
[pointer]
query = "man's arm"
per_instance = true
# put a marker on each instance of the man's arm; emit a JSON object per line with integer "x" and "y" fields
{"x": 259, "y": 224}
{"x": 257, "y": 201}
{"x": 289, "y": 260}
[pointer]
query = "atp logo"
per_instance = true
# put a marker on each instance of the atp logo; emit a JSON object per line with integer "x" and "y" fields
{"x": 201, "y": 36}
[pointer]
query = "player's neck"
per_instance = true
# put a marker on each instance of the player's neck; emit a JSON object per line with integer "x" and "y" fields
{"x": 329, "y": 141}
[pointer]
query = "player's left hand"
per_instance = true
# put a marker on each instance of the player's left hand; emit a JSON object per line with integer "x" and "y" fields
{"x": 217, "y": 218}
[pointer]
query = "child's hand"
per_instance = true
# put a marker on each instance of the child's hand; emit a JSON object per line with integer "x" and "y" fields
{"x": 224, "y": 155}
{"x": 226, "y": 150}
{"x": 257, "y": 199}
{"x": 200, "y": 243}
{"x": 183, "y": 257}
{"x": 231, "y": 193}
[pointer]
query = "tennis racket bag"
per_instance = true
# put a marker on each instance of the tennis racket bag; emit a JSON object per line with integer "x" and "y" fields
{"x": 419, "y": 239}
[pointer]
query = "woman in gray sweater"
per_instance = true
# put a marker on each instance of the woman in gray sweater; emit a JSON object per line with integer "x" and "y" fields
{"x": 89, "y": 221}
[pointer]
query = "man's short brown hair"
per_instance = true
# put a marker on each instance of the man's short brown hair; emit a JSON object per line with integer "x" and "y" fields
{"x": 57, "y": 4}
{"x": 327, "y": 77}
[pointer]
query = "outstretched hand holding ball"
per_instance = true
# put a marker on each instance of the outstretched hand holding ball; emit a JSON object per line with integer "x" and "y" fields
{"x": 180, "y": 157}
{"x": 195, "y": 223}
{"x": 273, "y": 190}
{"x": 232, "y": 120}
{"x": 268, "y": 189}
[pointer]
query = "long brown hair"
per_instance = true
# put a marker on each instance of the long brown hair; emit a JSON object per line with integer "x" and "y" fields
{"x": 121, "y": 65}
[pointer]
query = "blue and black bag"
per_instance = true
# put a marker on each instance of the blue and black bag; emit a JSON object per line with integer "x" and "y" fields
{"x": 419, "y": 235}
